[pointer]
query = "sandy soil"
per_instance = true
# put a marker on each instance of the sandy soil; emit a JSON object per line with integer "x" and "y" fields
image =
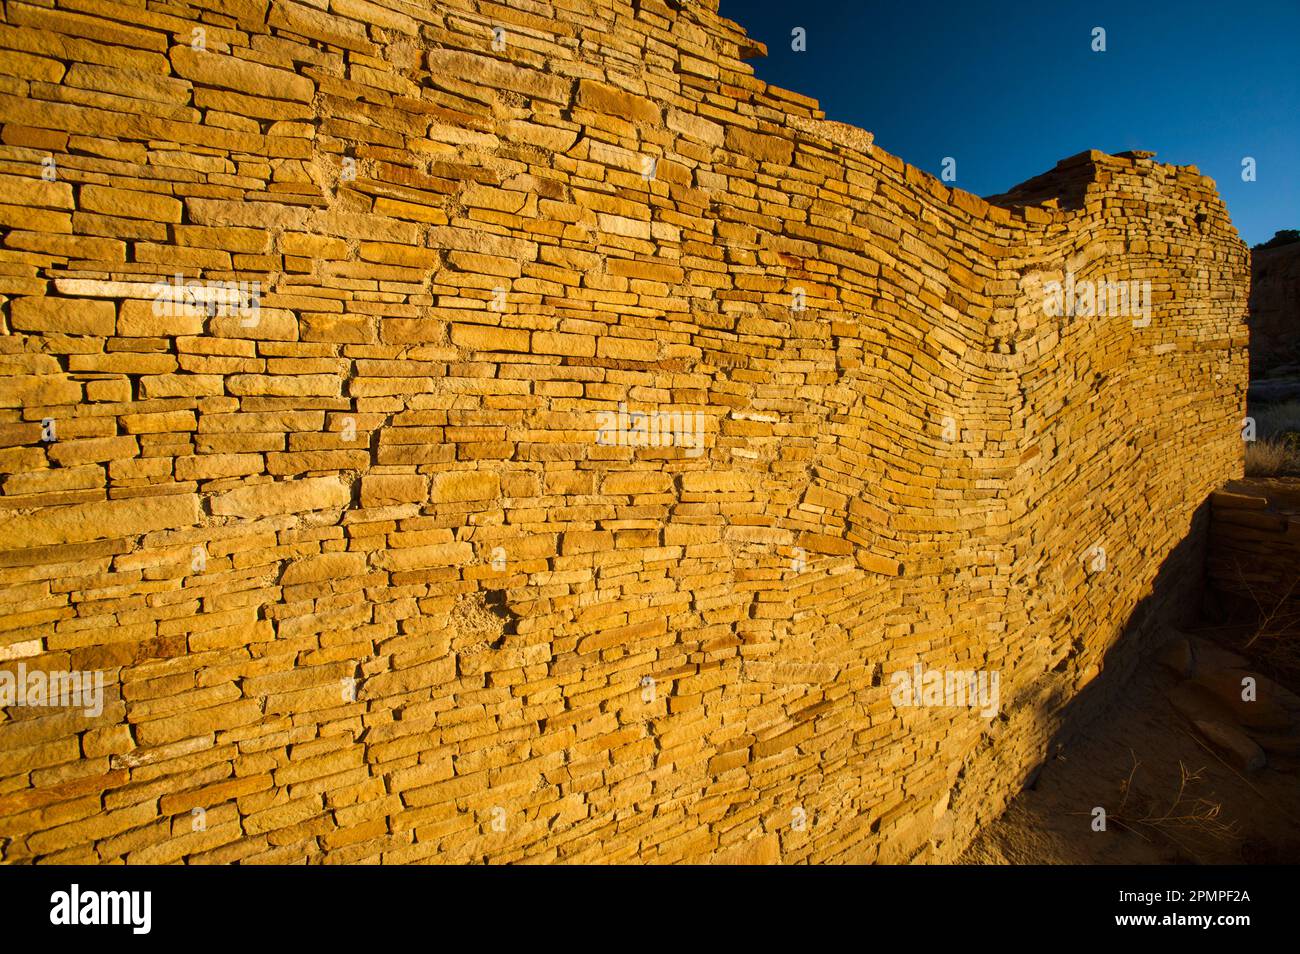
{"x": 1221, "y": 816}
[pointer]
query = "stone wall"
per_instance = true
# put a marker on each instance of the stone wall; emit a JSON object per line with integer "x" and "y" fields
{"x": 372, "y": 566}
{"x": 1253, "y": 548}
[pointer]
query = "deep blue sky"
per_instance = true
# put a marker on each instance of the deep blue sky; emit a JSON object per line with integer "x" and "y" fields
{"x": 1009, "y": 88}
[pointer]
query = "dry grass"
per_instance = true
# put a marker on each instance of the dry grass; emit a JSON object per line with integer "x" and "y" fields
{"x": 1276, "y": 450}
{"x": 1186, "y": 814}
{"x": 1277, "y": 420}
{"x": 1275, "y": 644}
{"x": 1272, "y": 458}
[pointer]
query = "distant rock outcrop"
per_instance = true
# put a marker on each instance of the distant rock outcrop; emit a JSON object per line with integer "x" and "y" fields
{"x": 1275, "y": 304}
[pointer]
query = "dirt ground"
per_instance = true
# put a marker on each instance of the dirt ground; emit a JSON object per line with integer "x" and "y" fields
{"x": 1169, "y": 797}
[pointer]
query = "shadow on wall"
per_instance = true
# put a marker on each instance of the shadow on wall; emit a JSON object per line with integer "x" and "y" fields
{"x": 1063, "y": 710}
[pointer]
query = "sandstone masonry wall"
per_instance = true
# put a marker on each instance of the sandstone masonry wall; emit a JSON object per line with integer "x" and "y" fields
{"x": 363, "y": 581}
{"x": 1253, "y": 547}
